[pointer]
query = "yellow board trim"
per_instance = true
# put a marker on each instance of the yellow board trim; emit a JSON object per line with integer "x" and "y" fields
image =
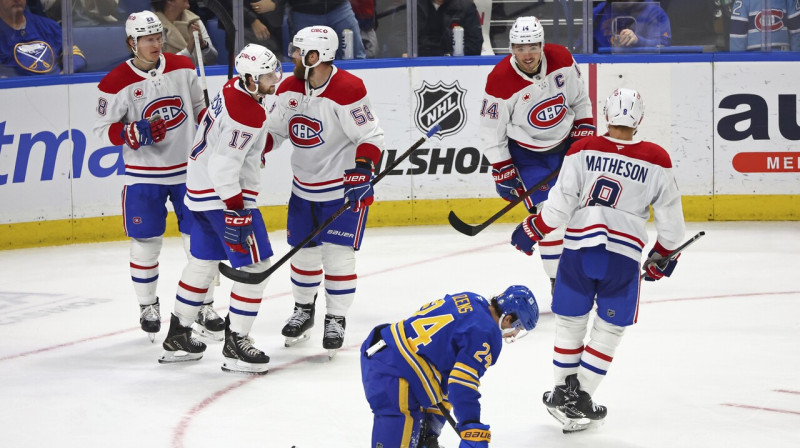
{"x": 398, "y": 213}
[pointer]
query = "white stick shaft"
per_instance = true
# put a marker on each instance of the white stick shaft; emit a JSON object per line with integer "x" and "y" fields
{"x": 200, "y": 59}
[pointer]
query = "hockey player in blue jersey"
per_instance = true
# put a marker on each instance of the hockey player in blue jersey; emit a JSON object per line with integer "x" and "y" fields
{"x": 775, "y": 26}
{"x": 434, "y": 359}
{"x": 604, "y": 194}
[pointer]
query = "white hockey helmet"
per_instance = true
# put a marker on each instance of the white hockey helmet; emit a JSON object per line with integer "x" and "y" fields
{"x": 526, "y": 30}
{"x": 258, "y": 62}
{"x": 323, "y": 39}
{"x": 141, "y": 24}
{"x": 624, "y": 107}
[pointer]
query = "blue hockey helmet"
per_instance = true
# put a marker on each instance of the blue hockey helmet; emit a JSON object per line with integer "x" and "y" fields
{"x": 519, "y": 301}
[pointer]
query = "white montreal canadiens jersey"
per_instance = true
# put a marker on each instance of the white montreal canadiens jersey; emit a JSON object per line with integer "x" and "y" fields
{"x": 607, "y": 186}
{"x": 325, "y": 127}
{"x": 225, "y": 159}
{"x": 538, "y": 113}
{"x": 127, "y": 94}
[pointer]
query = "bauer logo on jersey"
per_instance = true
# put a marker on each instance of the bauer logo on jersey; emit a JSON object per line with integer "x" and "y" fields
{"x": 305, "y": 132}
{"x": 769, "y": 20}
{"x": 548, "y": 113}
{"x": 440, "y": 103}
{"x": 35, "y": 57}
{"x": 169, "y": 108}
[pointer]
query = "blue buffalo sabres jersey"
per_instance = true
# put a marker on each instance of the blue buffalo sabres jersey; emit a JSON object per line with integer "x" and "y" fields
{"x": 444, "y": 349}
{"x": 34, "y": 49}
{"x": 776, "y": 25}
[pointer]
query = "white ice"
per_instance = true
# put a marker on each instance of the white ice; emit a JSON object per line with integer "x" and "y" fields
{"x": 713, "y": 362}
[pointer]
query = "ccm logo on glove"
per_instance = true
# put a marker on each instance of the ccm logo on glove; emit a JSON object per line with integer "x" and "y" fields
{"x": 238, "y": 220}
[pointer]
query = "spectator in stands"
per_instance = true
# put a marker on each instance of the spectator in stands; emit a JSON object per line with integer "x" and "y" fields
{"x": 31, "y": 44}
{"x": 631, "y": 23}
{"x": 84, "y": 12}
{"x": 263, "y": 24}
{"x": 179, "y": 25}
{"x": 367, "y": 23}
{"x": 776, "y": 28}
{"x": 435, "y": 22}
{"x": 697, "y": 22}
{"x": 337, "y": 14}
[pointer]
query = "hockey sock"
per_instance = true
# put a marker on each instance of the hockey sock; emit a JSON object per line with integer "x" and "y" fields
{"x": 340, "y": 277}
{"x": 306, "y": 274}
{"x": 599, "y": 353}
{"x": 144, "y": 268}
{"x": 192, "y": 289}
{"x": 246, "y": 300}
{"x": 568, "y": 345}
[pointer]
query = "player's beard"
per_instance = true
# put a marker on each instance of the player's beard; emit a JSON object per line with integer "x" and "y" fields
{"x": 300, "y": 71}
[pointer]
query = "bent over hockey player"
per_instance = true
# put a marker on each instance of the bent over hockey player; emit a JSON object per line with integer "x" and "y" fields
{"x": 337, "y": 143}
{"x": 150, "y": 104}
{"x": 534, "y": 107}
{"x": 604, "y": 194}
{"x": 434, "y": 360}
{"x": 222, "y": 184}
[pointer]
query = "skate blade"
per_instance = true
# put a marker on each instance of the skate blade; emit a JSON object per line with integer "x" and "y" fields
{"x": 291, "y": 342}
{"x": 216, "y": 336}
{"x": 179, "y": 356}
{"x": 558, "y": 415}
{"x": 152, "y": 337}
{"x": 573, "y": 426}
{"x": 332, "y": 352}
{"x": 238, "y": 366}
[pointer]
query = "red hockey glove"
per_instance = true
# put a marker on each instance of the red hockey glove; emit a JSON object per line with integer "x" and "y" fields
{"x": 657, "y": 265}
{"x": 144, "y": 132}
{"x": 506, "y": 180}
{"x": 358, "y": 186}
{"x": 582, "y": 128}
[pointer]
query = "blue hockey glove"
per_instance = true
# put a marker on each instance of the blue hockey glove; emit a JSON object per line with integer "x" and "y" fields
{"x": 358, "y": 186}
{"x": 657, "y": 266}
{"x": 506, "y": 180}
{"x": 527, "y": 234}
{"x": 239, "y": 230}
{"x": 474, "y": 435}
{"x": 144, "y": 132}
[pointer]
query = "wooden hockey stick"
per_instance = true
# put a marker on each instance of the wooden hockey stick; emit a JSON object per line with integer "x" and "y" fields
{"x": 662, "y": 263}
{"x": 472, "y": 230}
{"x": 252, "y": 278}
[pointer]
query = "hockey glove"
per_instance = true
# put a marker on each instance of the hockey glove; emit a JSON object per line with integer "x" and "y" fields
{"x": 657, "y": 265}
{"x": 527, "y": 234}
{"x": 358, "y": 186}
{"x": 474, "y": 435}
{"x": 238, "y": 230}
{"x": 582, "y": 128}
{"x": 144, "y": 132}
{"x": 506, "y": 180}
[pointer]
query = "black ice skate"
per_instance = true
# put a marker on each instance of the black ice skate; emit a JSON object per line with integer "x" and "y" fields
{"x": 240, "y": 355}
{"x": 334, "y": 334}
{"x": 296, "y": 328}
{"x": 208, "y": 323}
{"x": 150, "y": 319}
{"x": 180, "y": 346}
{"x": 578, "y": 412}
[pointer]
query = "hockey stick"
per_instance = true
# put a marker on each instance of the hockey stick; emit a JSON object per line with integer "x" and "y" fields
{"x": 225, "y": 19}
{"x": 200, "y": 64}
{"x": 447, "y": 415}
{"x": 662, "y": 263}
{"x": 472, "y": 230}
{"x": 252, "y": 278}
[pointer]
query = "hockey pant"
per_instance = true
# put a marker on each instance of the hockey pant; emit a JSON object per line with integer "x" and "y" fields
{"x": 334, "y": 264}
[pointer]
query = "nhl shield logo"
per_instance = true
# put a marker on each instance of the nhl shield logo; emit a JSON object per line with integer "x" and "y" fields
{"x": 440, "y": 103}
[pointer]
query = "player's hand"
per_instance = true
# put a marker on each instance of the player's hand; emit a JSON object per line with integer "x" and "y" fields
{"x": 358, "y": 186}
{"x": 474, "y": 435}
{"x": 526, "y": 235}
{"x": 657, "y": 266}
{"x": 506, "y": 180}
{"x": 582, "y": 128}
{"x": 144, "y": 132}
{"x": 239, "y": 230}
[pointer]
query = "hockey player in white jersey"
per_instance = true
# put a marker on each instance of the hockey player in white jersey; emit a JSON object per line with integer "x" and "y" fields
{"x": 150, "y": 104}
{"x": 535, "y": 106}
{"x": 337, "y": 143}
{"x": 222, "y": 184}
{"x": 604, "y": 194}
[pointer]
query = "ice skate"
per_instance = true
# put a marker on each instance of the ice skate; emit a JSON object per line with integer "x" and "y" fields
{"x": 208, "y": 323}
{"x": 241, "y": 356}
{"x": 578, "y": 412}
{"x": 334, "y": 334}
{"x": 296, "y": 328}
{"x": 150, "y": 319}
{"x": 180, "y": 346}
{"x": 555, "y": 400}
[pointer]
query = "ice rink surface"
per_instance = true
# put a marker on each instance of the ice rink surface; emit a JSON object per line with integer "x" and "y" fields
{"x": 713, "y": 362}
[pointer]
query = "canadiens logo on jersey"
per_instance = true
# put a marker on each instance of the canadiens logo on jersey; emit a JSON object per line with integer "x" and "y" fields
{"x": 440, "y": 103}
{"x": 305, "y": 132}
{"x": 169, "y": 108}
{"x": 548, "y": 113}
{"x": 769, "y": 20}
{"x": 36, "y": 57}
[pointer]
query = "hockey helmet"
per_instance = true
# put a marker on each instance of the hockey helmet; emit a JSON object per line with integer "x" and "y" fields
{"x": 519, "y": 301}
{"x": 257, "y": 61}
{"x": 141, "y": 24}
{"x": 624, "y": 107}
{"x": 526, "y": 30}
{"x": 323, "y": 39}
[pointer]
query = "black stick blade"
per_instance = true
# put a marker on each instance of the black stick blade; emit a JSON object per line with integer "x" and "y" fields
{"x": 461, "y": 226}
{"x": 250, "y": 278}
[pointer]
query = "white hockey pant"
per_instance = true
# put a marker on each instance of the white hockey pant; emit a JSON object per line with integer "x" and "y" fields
{"x": 144, "y": 267}
{"x": 246, "y": 299}
{"x": 186, "y": 247}
{"x": 598, "y": 354}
